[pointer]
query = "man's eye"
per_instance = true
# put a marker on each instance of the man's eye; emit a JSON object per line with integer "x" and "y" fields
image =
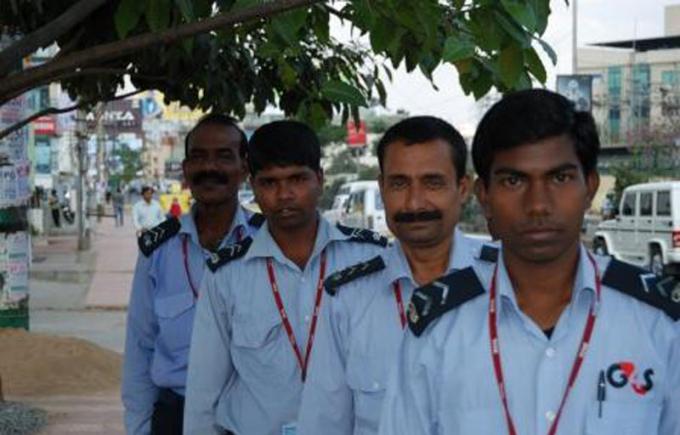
{"x": 562, "y": 177}
{"x": 511, "y": 181}
{"x": 397, "y": 183}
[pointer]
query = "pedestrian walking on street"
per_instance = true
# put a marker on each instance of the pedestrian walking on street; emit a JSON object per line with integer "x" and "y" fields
{"x": 169, "y": 273}
{"x": 258, "y": 312}
{"x": 55, "y": 208}
{"x": 147, "y": 212}
{"x": 118, "y": 200}
{"x": 175, "y": 209}
{"x": 545, "y": 338}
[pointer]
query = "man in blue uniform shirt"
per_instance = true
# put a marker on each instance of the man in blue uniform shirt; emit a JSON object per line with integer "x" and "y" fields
{"x": 169, "y": 273}
{"x": 423, "y": 185}
{"x": 547, "y": 339}
{"x": 256, "y": 321}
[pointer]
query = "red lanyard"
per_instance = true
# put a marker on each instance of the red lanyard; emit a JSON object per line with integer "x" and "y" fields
{"x": 302, "y": 361}
{"x": 578, "y": 362}
{"x": 400, "y": 304}
{"x": 185, "y": 255}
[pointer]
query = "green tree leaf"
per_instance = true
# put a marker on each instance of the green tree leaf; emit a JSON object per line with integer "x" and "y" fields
{"x": 288, "y": 24}
{"x": 535, "y": 65}
{"x": 549, "y": 51}
{"x": 456, "y": 49}
{"x": 510, "y": 64}
{"x": 158, "y": 14}
{"x": 522, "y": 12}
{"x": 341, "y": 92}
{"x": 186, "y": 7}
{"x": 127, "y": 16}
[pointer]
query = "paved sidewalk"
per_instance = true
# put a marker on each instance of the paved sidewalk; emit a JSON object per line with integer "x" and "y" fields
{"x": 115, "y": 249}
{"x": 84, "y": 295}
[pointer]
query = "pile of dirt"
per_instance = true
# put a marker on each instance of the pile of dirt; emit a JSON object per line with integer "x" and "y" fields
{"x": 40, "y": 365}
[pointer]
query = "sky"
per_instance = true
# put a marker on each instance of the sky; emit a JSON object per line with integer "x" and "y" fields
{"x": 598, "y": 21}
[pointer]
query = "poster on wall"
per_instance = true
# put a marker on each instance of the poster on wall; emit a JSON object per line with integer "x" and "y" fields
{"x": 578, "y": 88}
{"x": 14, "y": 260}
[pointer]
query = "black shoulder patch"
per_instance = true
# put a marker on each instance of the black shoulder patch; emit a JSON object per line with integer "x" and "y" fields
{"x": 662, "y": 293}
{"x": 155, "y": 237}
{"x": 256, "y": 220}
{"x": 362, "y": 235}
{"x": 351, "y": 273}
{"x": 440, "y": 296}
{"x": 489, "y": 254}
{"x": 229, "y": 253}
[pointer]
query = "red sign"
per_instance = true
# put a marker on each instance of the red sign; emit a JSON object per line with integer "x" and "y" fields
{"x": 45, "y": 125}
{"x": 356, "y": 137}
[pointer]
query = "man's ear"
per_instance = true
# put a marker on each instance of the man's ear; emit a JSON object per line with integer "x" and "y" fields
{"x": 482, "y": 197}
{"x": 592, "y": 185}
{"x": 464, "y": 188}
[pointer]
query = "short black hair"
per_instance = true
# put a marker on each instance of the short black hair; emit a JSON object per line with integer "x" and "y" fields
{"x": 529, "y": 116}
{"x": 223, "y": 120}
{"x": 283, "y": 143}
{"x": 147, "y": 189}
{"x": 419, "y": 129}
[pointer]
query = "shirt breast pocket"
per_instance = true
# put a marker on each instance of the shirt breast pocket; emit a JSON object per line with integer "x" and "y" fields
{"x": 368, "y": 384}
{"x": 258, "y": 341}
{"x": 175, "y": 317}
{"x": 620, "y": 418}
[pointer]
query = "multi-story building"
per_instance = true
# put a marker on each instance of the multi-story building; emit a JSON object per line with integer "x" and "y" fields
{"x": 636, "y": 92}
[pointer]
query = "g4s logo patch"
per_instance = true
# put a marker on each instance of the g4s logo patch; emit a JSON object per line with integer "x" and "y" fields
{"x": 623, "y": 373}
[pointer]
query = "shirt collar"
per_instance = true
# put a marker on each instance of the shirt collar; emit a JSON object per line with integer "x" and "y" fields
{"x": 460, "y": 257}
{"x": 188, "y": 226}
{"x": 584, "y": 281}
{"x": 264, "y": 246}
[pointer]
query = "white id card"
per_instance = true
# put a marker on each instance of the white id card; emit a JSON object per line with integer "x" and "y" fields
{"x": 289, "y": 429}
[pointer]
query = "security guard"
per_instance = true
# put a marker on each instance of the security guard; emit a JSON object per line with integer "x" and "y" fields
{"x": 548, "y": 339}
{"x": 423, "y": 185}
{"x": 169, "y": 273}
{"x": 257, "y": 320}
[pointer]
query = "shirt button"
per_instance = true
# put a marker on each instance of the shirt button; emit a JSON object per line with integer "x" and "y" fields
{"x": 550, "y": 352}
{"x": 550, "y": 416}
{"x": 376, "y": 385}
{"x": 306, "y": 319}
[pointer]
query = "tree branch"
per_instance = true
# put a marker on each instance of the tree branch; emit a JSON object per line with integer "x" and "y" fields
{"x": 19, "y": 83}
{"x": 58, "y": 110}
{"x": 47, "y": 34}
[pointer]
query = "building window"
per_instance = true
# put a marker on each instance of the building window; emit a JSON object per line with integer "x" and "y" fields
{"x": 640, "y": 94}
{"x": 614, "y": 124}
{"x": 669, "y": 78}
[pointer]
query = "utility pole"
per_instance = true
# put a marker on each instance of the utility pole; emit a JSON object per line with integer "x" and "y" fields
{"x": 574, "y": 37}
{"x": 81, "y": 213}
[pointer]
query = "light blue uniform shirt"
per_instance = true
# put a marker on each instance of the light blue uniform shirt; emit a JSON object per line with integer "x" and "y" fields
{"x": 445, "y": 382}
{"x": 243, "y": 373}
{"x": 357, "y": 346}
{"x": 160, "y": 316}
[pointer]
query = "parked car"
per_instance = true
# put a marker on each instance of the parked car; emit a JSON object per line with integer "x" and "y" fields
{"x": 646, "y": 229}
{"x": 364, "y": 207}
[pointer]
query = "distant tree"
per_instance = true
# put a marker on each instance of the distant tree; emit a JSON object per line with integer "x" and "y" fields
{"x": 129, "y": 164}
{"x": 331, "y": 133}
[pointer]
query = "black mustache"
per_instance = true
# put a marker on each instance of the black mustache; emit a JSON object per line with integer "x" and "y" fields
{"x": 213, "y": 176}
{"x": 421, "y": 216}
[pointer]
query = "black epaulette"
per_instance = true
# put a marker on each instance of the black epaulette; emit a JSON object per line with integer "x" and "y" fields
{"x": 156, "y": 236}
{"x": 229, "y": 253}
{"x": 362, "y": 235}
{"x": 489, "y": 254}
{"x": 440, "y": 296}
{"x": 351, "y": 273}
{"x": 660, "y": 292}
{"x": 256, "y": 220}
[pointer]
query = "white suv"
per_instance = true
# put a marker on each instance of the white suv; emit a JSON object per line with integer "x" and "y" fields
{"x": 646, "y": 230}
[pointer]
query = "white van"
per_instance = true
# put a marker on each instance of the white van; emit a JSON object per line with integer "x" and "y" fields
{"x": 364, "y": 207}
{"x": 646, "y": 230}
